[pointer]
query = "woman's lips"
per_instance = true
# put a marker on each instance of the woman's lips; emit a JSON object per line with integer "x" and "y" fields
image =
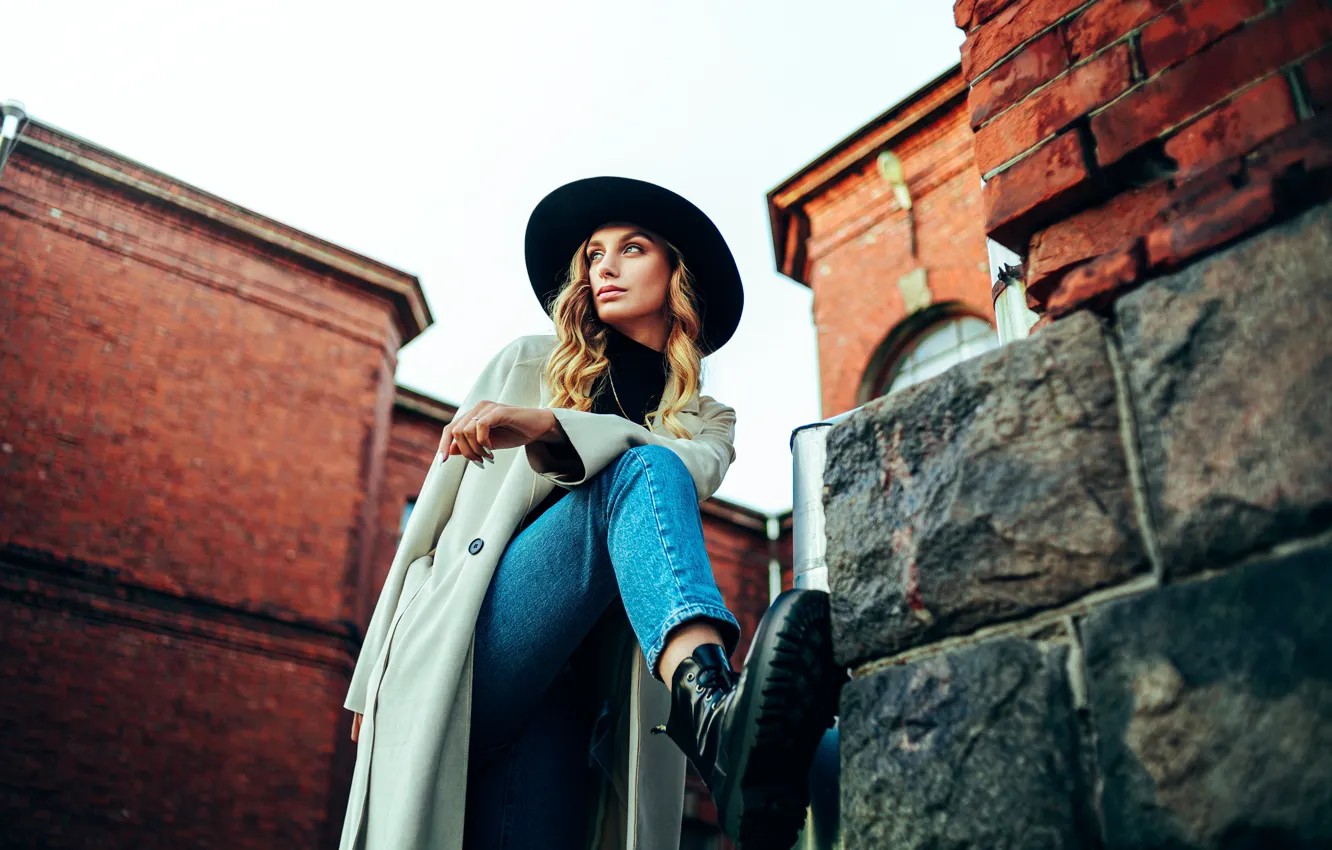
{"x": 610, "y": 292}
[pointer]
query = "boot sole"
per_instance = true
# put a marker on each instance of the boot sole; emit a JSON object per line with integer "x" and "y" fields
{"x": 763, "y": 807}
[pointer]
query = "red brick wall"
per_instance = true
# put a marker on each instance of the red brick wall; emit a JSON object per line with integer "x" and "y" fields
{"x": 129, "y": 724}
{"x": 192, "y": 428}
{"x": 159, "y": 422}
{"x": 1122, "y": 139}
{"x": 859, "y": 247}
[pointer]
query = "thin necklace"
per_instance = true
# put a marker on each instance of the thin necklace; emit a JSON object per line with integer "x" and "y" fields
{"x": 617, "y": 395}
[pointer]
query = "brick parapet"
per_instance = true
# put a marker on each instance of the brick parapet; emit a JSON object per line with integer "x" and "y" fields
{"x": 1076, "y": 103}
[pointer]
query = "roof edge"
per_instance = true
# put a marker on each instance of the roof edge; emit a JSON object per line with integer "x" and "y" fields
{"x": 399, "y": 288}
{"x": 852, "y": 151}
{"x": 744, "y": 516}
{"x": 426, "y": 405}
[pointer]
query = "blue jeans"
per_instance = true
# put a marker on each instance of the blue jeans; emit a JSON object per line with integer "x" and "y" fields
{"x": 632, "y": 531}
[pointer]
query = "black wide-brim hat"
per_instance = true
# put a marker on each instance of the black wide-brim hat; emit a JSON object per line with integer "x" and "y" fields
{"x": 565, "y": 218}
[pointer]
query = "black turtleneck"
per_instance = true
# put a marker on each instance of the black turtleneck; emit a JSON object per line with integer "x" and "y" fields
{"x": 639, "y": 372}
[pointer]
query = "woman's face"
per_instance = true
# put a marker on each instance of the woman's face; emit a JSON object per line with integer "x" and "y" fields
{"x": 630, "y": 272}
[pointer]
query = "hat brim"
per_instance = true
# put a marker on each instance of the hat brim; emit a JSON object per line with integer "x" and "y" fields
{"x": 566, "y": 217}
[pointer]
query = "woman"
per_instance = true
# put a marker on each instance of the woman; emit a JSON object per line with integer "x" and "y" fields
{"x": 548, "y": 608}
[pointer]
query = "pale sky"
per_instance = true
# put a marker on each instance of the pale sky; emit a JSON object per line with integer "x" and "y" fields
{"x": 422, "y": 134}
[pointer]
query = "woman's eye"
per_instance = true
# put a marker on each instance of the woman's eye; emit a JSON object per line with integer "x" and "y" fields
{"x": 594, "y": 256}
{"x": 635, "y": 247}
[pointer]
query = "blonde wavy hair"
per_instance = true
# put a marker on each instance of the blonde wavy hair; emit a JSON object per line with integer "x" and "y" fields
{"x": 579, "y": 356}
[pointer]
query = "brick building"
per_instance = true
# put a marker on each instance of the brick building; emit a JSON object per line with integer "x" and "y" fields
{"x": 1082, "y": 580}
{"x": 887, "y": 229}
{"x": 204, "y": 469}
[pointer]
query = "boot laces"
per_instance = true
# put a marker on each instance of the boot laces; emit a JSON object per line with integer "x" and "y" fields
{"x": 716, "y": 680}
{"x": 713, "y": 678}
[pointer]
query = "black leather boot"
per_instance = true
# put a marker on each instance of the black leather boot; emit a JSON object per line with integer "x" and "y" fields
{"x": 751, "y": 735}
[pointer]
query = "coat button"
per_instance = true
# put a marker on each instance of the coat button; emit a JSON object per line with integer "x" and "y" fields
{"x": 475, "y": 545}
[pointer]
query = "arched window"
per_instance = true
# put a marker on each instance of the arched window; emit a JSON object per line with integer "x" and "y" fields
{"x": 940, "y": 348}
{"x": 926, "y": 344}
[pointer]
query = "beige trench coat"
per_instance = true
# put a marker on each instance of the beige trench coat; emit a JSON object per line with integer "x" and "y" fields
{"x": 413, "y": 677}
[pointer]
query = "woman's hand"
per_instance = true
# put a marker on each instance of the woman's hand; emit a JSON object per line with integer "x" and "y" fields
{"x": 356, "y": 725}
{"x": 490, "y": 425}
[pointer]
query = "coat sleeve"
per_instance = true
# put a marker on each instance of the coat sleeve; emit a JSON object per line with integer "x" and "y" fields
{"x": 434, "y": 506}
{"x": 599, "y": 438}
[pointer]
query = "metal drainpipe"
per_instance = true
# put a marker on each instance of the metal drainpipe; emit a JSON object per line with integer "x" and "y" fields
{"x": 13, "y": 118}
{"x": 1011, "y": 315}
{"x": 809, "y": 455}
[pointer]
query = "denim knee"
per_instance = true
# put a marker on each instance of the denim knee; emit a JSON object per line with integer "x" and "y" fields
{"x": 659, "y": 458}
{"x": 641, "y": 465}
{"x": 656, "y": 464}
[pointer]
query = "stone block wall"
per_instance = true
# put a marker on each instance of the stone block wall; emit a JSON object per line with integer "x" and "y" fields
{"x": 1083, "y": 581}
{"x": 1122, "y": 139}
